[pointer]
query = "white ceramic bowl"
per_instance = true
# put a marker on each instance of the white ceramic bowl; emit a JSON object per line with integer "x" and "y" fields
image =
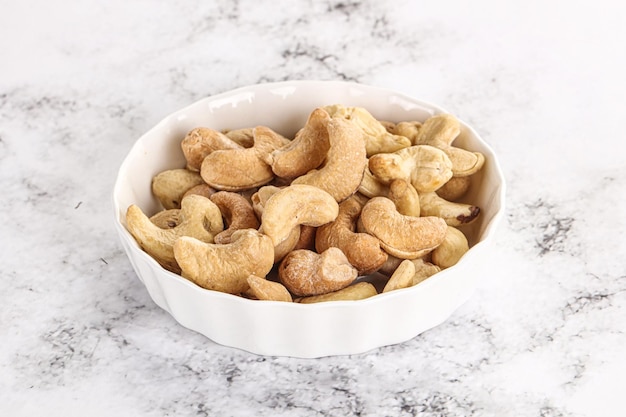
{"x": 291, "y": 329}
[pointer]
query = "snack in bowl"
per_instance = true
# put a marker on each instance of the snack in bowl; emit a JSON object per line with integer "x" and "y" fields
{"x": 316, "y": 199}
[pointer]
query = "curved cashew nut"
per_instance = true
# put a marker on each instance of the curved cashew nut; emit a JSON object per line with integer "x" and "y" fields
{"x": 455, "y": 188}
{"x": 455, "y": 214}
{"x": 402, "y": 277}
{"x": 427, "y": 168}
{"x": 440, "y": 131}
{"x": 260, "y": 197}
{"x": 359, "y": 291}
{"x": 307, "y": 151}
{"x": 237, "y": 212}
{"x": 405, "y": 237}
{"x": 362, "y": 250}
{"x": 405, "y": 197}
{"x": 200, "y": 142}
{"x": 295, "y": 205}
{"x": 199, "y": 217}
{"x": 342, "y": 171}
{"x": 407, "y": 129}
{"x": 263, "y": 289}
{"x": 451, "y": 249}
{"x": 225, "y": 268}
{"x": 423, "y": 268}
{"x": 305, "y": 272}
{"x": 377, "y": 138}
{"x": 170, "y": 186}
{"x": 372, "y": 187}
{"x": 240, "y": 169}
{"x": 244, "y": 136}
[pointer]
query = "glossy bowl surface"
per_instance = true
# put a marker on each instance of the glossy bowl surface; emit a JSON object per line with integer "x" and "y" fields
{"x": 291, "y": 329}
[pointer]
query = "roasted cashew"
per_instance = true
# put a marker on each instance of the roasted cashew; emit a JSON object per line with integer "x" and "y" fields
{"x": 402, "y": 277}
{"x": 260, "y": 197}
{"x": 200, "y": 142}
{"x": 170, "y": 186}
{"x": 440, "y": 131}
{"x": 263, "y": 289}
{"x": 455, "y": 188}
{"x": 405, "y": 237}
{"x": 377, "y": 138}
{"x": 453, "y": 247}
{"x": 244, "y": 137}
{"x": 342, "y": 171}
{"x": 371, "y": 186}
{"x": 236, "y": 211}
{"x": 306, "y": 273}
{"x": 407, "y": 129}
{"x": 455, "y": 214}
{"x": 225, "y": 268}
{"x": 359, "y": 291}
{"x": 240, "y": 169}
{"x": 307, "y": 151}
{"x": 427, "y": 168}
{"x": 362, "y": 250}
{"x": 199, "y": 217}
{"x": 296, "y": 205}
{"x": 405, "y": 197}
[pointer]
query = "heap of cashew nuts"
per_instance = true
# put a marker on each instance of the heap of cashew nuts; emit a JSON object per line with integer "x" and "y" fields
{"x": 348, "y": 196}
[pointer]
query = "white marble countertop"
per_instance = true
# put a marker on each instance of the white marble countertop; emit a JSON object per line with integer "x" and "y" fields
{"x": 543, "y": 82}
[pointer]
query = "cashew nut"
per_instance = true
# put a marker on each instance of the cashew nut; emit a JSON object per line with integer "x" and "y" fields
{"x": 244, "y": 137}
{"x": 440, "y": 131}
{"x": 405, "y": 237}
{"x": 377, "y": 138}
{"x": 371, "y": 186}
{"x": 402, "y": 277}
{"x": 405, "y": 197}
{"x": 204, "y": 190}
{"x": 237, "y": 212}
{"x": 342, "y": 171}
{"x": 358, "y": 291}
{"x": 455, "y": 188}
{"x": 198, "y": 217}
{"x": 306, "y": 273}
{"x": 263, "y": 289}
{"x": 451, "y": 249}
{"x": 307, "y": 151}
{"x": 427, "y": 168}
{"x": 407, "y": 129}
{"x": 225, "y": 268}
{"x": 423, "y": 268}
{"x": 362, "y": 250}
{"x": 200, "y": 142}
{"x": 170, "y": 186}
{"x": 296, "y": 205}
{"x": 240, "y": 169}
{"x": 455, "y": 214}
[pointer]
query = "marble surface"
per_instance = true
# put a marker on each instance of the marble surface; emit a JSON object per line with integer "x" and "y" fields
{"x": 544, "y": 334}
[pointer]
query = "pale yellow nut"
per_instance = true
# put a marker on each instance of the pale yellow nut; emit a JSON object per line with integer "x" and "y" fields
{"x": 371, "y": 186}
{"x": 455, "y": 214}
{"x": 354, "y": 292}
{"x": 405, "y": 197}
{"x": 423, "y": 268}
{"x": 225, "y": 267}
{"x": 260, "y": 197}
{"x": 405, "y": 237}
{"x": 295, "y": 205}
{"x": 243, "y": 136}
{"x": 306, "y": 273}
{"x": 440, "y": 131}
{"x": 170, "y": 186}
{"x": 200, "y": 142}
{"x": 402, "y": 277}
{"x": 450, "y": 251}
{"x": 407, "y": 129}
{"x": 342, "y": 171}
{"x": 236, "y": 211}
{"x": 377, "y": 138}
{"x": 427, "y": 168}
{"x": 262, "y": 289}
{"x": 362, "y": 250}
{"x": 198, "y": 217}
{"x": 241, "y": 169}
{"x": 307, "y": 151}
{"x": 455, "y": 188}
